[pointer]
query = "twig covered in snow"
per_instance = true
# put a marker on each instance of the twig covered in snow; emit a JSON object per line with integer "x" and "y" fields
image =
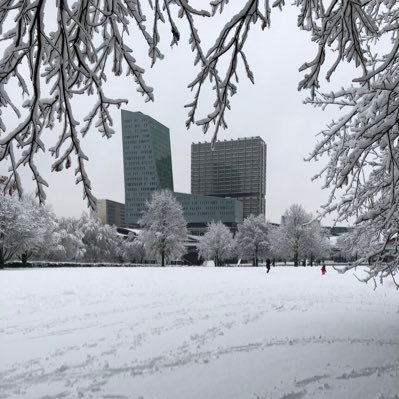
{"x": 362, "y": 146}
{"x": 73, "y": 61}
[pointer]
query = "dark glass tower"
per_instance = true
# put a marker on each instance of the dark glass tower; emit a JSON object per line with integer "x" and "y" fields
{"x": 147, "y": 161}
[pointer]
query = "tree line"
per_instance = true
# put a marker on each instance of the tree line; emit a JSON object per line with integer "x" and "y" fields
{"x": 32, "y": 231}
{"x": 55, "y": 65}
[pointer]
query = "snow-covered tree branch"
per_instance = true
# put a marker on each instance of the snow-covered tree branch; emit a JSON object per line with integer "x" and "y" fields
{"x": 92, "y": 37}
{"x": 362, "y": 146}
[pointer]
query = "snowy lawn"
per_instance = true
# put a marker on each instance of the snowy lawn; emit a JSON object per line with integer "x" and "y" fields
{"x": 196, "y": 333}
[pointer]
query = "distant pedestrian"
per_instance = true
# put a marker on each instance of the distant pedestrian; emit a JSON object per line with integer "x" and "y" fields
{"x": 323, "y": 270}
{"x": 268, "y": 265}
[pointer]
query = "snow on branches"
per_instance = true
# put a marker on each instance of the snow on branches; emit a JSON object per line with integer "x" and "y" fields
{"x": 362, "y": 146}
{"x": 92, "y": 35}
{"x": 23, "y": 227}
{"x": 299, "y": 236}
{"x": 164, "y": 227}
{"x": 217, "y": 243}
{"x": 231, "y": 40}
{"x": 252, "y": 239}
{"x": 52, "y": 68}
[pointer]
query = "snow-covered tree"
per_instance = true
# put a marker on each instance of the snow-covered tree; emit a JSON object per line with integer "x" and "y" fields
{"x": 133, "y": 249}
{"x": 67, "y": 244}
{"x": 23, "y": 227}
{"x": 362, "y": 144}
{"x": 252, "y": 238}
{"x": 10, "y": 227}
{"x": 5, "y": 188}
{"x": 360, "y": 245}
{"x": 318, "y": 244}
{"x": 164, "y": 227}
{"x": 216, "y": 244}
{"x": 39, "y": 224}
{"x": 299, "y": 236}
{"x": 51, "y": 247}
{"x": 101, "y": 241}
{"x": 90, "y": 35}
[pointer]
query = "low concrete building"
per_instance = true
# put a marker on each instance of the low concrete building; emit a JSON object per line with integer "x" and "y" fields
{"x": 199, "y": 210}
{"x": 110, "y": 212}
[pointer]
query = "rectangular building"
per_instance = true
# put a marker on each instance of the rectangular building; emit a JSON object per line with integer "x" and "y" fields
{"x": 234, "y": 169}
{"x": 199, "y": 210}
{"x": 110, "y": 212}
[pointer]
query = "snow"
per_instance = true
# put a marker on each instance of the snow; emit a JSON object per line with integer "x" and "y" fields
{"x": 195, "y": 333}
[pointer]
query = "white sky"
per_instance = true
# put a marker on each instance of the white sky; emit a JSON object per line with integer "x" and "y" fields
{"x": 272, "y": 109}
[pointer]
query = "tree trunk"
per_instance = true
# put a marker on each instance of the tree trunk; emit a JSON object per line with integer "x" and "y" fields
{"x": 256, "y": 256}
{"x": 296, "y": 249}
{"x": 5, "y": 255}
{"x": 24, "y": 258}
{"x": 2, "y": 257}
{"x": 163, "y": 258}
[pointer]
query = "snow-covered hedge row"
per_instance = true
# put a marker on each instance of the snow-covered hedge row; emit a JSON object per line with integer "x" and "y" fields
{"x": 74, "y": 264}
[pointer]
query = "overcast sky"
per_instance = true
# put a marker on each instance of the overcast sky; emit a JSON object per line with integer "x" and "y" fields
{"x": 271, "y": 109}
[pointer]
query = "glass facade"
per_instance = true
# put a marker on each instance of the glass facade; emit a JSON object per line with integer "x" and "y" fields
{"x": 147, "y": 165}
{"x": 205, "y": 209}
{"x": 162, "y": 155}
{"x": 147, "y": 161}
{"x": 234, "y": 169}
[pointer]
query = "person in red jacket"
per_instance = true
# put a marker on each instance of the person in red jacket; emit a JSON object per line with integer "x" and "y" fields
{"x": 323, "y": 270}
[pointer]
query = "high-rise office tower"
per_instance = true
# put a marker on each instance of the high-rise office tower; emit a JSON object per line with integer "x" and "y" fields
{"x": 147, "y": 166}
{"x": 234, "y": 169}
{"x": 147, "y": 161}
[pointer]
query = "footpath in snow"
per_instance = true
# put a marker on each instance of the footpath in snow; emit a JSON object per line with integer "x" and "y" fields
{"x": 196, "y": 333}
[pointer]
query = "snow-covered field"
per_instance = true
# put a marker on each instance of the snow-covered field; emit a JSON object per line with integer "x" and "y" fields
{"x": 196, "y": 333}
